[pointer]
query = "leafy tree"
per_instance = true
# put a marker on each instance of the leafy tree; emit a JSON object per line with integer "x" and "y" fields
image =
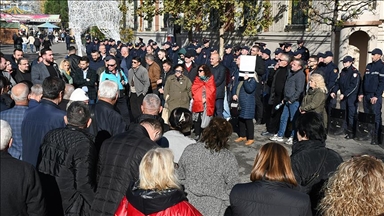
{"x": 58, "y": 7}
{"x": 198, "y": 15}
{"x": 335, "y": 13}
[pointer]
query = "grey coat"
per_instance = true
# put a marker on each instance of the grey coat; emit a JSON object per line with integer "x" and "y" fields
{"x": 294, "y": 86}
{"x": 39, "y": 72}
{"x": 208, "y": 177}
{"x": 141, "y": 80}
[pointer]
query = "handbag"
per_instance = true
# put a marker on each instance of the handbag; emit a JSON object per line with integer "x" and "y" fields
{"x": 235, "y": 109}
{"x": 205, "y": 119}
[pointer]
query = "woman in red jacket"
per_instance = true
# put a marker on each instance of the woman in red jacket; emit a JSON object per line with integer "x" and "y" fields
{"x": 158, "y": 192}
{"x": 204, "y": 97}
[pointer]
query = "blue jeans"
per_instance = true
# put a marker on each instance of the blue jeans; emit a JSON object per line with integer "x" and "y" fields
{"x": 227, "y": 112}
{"x": 290, "y": 111}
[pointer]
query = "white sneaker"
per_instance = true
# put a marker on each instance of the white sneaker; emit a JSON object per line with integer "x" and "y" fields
{"x": 276, "y": 138}
{"x": 289, "y": 141}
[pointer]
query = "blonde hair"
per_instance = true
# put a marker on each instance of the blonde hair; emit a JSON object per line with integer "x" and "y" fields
{"x": 62, "y": 64}
{"x": 273, "y": 163}
{"x": 157, "y": 170}
{"x": 319, "y": 80}
{"x": 356, "y": 188}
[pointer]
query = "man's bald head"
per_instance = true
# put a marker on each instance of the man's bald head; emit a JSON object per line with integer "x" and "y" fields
{"x": 124, "y": 51}
{"x": 19, "y": 94}
{"x": 215, "y": 59}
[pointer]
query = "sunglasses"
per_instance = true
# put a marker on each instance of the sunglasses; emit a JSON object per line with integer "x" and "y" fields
{"x": 113, "y": 65}
{"x": 201, "y": 70}
{"x": 134, "y": 62}
{"x": 178, "y": 71}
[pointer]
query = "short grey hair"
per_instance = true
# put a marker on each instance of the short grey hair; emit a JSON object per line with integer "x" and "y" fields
{"x": 69, "y": 89}
{"x": 152, "y": 102}
{"x": 37, "y": 89}
{"x": 6, "y": 134}
{"x": 108, "y": 89}
{"x": 150, "y": 57}
{"x": 113, "y": 51}
{"x": 285, "y": 57}
{"x": 23, "y": 94}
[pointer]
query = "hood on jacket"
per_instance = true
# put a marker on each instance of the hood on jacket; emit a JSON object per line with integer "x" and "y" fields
{"x": 150, "y": 201}
{"x": 307, "y": 144}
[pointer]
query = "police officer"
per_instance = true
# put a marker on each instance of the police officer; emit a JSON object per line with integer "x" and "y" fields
{"x": 303, "y": 50}
{"x": 348, "y": 83}
{"x": 372, "y": 89}
{"x": 288, "y": 49}
{"x": 331, "y": 72}
{"x": 228, "y": 58}
{"x": 206, "y": 52}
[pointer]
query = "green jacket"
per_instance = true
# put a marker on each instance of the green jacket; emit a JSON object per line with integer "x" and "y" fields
{"x": 314, "y": 101}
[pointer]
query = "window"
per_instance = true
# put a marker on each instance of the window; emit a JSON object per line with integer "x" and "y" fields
{"x": 299, "y": 11}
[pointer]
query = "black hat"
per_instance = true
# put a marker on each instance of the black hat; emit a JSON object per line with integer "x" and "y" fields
{"x": 87, "y": 38}
{"x": 261, "y": 44}
{"x": 206, "y": 41}
{"x": 266, "y": 51}
{"x": 297, "y": 52}
{"x": 278, "y": 51}
{"x": 189, "y": 54}
{"x": 142, "y": 44}
{"x": 286, "y": 44}
{"x": 376, "y": 51}
{"x": 348, "y": 59}
{"x": 106, "y": 39}
{"x": 228, "y": 46}
{"x": 328, "y": 53}
{"x": 111, "y": 39}
{"x": 95, "y": 39}
{"x": 175, "y": 45}
{"x": 154, "y": 43}
{"x": 245, "y": 47}
{"x": 281, "y": 44}
{"x": 167, "y": 42}
{"x": 130, "y": 44}
{"x": 137, "y": 44}
{"x": 150, "y": 41}
{"x": 195, "y": 41}
{"x": 320, "y": 55}
{"x": 214, "y": 48}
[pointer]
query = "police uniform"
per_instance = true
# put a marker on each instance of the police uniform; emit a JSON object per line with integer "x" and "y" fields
{"x": 303, "y": 50}
{"x": 373, "y": 85}
{"x": 348, "y": 84}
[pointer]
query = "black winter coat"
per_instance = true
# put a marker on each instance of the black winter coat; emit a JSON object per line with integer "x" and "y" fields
{"x": 89, "y": 82}
{"x": 118, "y": 165}
{"x": 69, "y": 155}
{"x": 268, "y": 198}
{"x": 306, "y": 159}
{"x": 21, "y": 192}
{"x": 219, "y": 73}
{"x": 106, "y": 122}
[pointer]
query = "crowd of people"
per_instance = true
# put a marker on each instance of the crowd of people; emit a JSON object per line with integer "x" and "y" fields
{"x": 110, "y": 133}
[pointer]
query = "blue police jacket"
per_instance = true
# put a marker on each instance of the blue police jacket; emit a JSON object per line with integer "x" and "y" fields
{"x": 373, "y": 81}
{"x": 331, "y": 75}
{"x": 348, "y": 82}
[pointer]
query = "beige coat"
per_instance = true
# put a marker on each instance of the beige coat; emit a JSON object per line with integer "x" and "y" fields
{"x": 179, "y": 92}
